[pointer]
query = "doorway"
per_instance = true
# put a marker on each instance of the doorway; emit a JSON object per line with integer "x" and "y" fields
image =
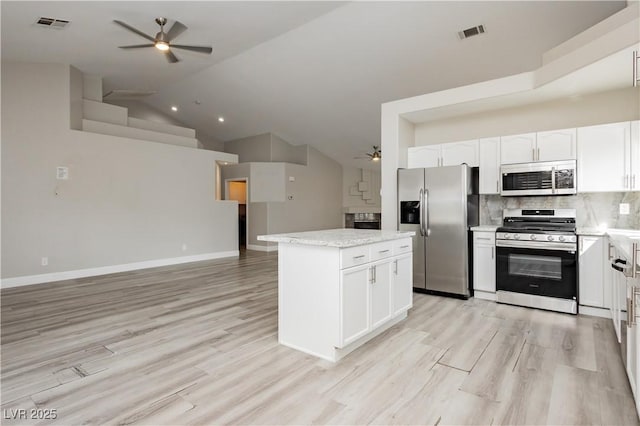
{"x": 237, "y": 189}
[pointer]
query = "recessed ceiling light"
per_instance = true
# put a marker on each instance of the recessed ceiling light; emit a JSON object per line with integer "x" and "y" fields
{"x": 174, "y": 108}
{"x": 221, "y": 119}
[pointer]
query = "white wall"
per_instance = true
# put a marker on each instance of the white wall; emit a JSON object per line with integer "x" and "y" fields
{"x": 251, "y": 149}
{"x": 126, "y": 201}
{"x": 599, "y": 108}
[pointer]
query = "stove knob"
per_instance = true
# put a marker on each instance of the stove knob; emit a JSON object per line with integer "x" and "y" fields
{"x": 561, "y": 238}
{"x": 532, "y": 237}
{"x": 507, "y": 236}
{"x": 550, "y": 237}
{"x": 516, "y": 237}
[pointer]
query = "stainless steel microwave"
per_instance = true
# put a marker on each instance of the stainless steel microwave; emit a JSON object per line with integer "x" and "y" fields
{"x": 543, "y": 178}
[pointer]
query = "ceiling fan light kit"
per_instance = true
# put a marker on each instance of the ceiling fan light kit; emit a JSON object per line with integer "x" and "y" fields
{"x": 162, "y": 41}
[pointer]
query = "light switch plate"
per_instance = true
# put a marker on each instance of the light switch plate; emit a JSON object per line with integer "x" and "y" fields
{"x": 62, "y": 173}
{"x": 624, "y": 208}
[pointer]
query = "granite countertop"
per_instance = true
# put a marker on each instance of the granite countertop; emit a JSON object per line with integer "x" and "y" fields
{"x": 337, "y": 237}
{"x": 485, "y": 228}
{"x": 596, "y": 232}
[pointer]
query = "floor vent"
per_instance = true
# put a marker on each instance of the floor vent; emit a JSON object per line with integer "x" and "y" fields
{"x": 52, "y": 22}
{"x": 470, "y": 32}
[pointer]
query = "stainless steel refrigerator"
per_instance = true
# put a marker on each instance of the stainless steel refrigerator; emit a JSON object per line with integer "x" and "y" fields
{"x": 439, "y": 204}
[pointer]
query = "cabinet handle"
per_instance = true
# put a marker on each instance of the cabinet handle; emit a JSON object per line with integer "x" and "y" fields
{"x": 626, "y": 181}
{"x": 635, "y": 68}
{"x": 373, "y": 268}
{"x": 395, "y": 269}
{"x": 483, "y": 238}
{"x": 383, "y": 251}
{"x": 404, "y": 246}
{"x": 492, "y": 252}
{"x": 533, "y": 154}
{"x": 633, "y": 181}
{"x": 538, "y": 154}
{"x": 359, "y": 257}
{"x": 497, "y": 189}
{"x": 609, "y": 256}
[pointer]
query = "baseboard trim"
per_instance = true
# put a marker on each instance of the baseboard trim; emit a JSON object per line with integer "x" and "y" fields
{"x": 261, "y": 248}
{"x": 104, "y": 270}
{"x": 485, "y": 295}
{"x": 594, "y": 312}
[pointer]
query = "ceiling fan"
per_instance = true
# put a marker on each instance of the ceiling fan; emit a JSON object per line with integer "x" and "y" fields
{"x": 376, "y": 155}
{"x": 162, "y": 40}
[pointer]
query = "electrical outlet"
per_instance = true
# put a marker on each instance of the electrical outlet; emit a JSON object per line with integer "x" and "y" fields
{"x": 292, "y": 178}
{"x": 289, "y": 197}
{"x": 44, "y": 261}
{"x": 624, "y": 208}
{"x": 62, "y": 173}
{"x": 184, "y": 247}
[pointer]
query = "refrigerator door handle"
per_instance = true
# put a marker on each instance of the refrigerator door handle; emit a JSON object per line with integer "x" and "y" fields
{"x": 421, "y": 211}
{"x": 426, "y": 209}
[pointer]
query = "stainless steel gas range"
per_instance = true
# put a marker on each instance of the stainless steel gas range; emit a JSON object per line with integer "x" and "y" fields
{"x": 536, "y": 262}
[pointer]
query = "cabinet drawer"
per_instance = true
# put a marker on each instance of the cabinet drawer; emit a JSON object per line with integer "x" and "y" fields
{"x": 401, "y": 246}
{"x": 380, "y": 250}
{"x": 354, "y": 256}
{"x": 484, "y": 237}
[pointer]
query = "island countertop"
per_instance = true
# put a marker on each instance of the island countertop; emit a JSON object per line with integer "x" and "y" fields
{"x": 337, "y": 237}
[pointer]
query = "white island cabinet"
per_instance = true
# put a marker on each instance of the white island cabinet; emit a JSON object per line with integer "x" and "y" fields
{"x": 339, "y": 288}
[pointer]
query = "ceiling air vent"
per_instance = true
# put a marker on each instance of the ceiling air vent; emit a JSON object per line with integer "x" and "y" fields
{"x": 52, "y": 22}
{"x": 470, "y": 32}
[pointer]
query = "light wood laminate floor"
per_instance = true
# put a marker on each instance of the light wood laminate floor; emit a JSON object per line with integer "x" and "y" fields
{"x": 197, "y": 344}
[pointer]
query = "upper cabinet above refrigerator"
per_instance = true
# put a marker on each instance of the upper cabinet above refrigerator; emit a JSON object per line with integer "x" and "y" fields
{"x": 445, "y": 154}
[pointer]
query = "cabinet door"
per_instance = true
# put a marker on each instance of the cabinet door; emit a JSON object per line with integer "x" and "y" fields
{"x": 484, "y": 266}
{"x": 402, "y": 284}
{"x": 556, "y": 145}
{"x": 635, "y": 156}
{"x": 489, "y": 162}
{"x": 517, "y": 148}
{"x": 423, "y": 156}
{"x": 632, "y": 343}
{"x": 456, "y": 153}
{"x": 354, "y": 304}
{"x": 603, "y": 157}
{"x": 591, "y": 271}
{"x": 380, "y": 293}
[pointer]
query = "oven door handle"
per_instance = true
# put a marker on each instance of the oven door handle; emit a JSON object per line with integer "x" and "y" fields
{"x": 537, "y": 245}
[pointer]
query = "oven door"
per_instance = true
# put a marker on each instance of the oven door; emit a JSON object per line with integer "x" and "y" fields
{"x": 531, "y": 268}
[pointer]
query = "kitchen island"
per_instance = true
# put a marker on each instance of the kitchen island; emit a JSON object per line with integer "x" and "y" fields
{"x": 339, "y": 288}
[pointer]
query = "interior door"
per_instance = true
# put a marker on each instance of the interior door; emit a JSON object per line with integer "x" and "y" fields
{"x": 446, "y": 222}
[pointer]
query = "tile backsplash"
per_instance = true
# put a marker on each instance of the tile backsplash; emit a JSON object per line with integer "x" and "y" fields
{"x": 592, "y": 209}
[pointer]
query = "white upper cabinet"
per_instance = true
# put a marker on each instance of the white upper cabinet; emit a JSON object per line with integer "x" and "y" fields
{"x": 635, "y": 156}
{"x": 542, "y": 146}
{"x": 423, "y": 156}
{"x": 489, "y": 162}
{"x": 456, "y": 153}
{"x": 604, "y": 158}
{"x": 518, "y": 148}
{"x": 446, "y": 154}
{"x": 556, "y": 145}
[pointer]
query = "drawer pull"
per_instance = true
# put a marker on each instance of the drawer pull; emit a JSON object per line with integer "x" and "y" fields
{"x": 359, "y": 257}
{"x": 383, "y": 251}
{"x": 482, "y": 238}
{"x": 404, "y": 246}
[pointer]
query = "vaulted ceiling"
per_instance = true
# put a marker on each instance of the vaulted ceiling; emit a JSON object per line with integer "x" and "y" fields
{"x": 311, "y": 72}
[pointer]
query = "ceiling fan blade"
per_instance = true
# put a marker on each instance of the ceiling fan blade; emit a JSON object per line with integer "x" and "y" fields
{"x": 136, "y": 46}
{"x": 171, "y": 57}
{"x": 199, "y": 49}
{"x": 134, "y": 30}
{"x": 177, "y": 29}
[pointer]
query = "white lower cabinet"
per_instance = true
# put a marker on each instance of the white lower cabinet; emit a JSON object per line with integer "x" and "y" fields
{"x": 402, "y": 284}
{"x": 591, "y": 272}
{"x": 354, "y": 304}
{"x": 484, "y": 265}
{"x": 373, "y": 293}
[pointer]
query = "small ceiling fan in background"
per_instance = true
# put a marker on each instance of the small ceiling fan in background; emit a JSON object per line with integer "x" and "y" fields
{"x": 162, "y": 41}
{"x": 375, "y": 155}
